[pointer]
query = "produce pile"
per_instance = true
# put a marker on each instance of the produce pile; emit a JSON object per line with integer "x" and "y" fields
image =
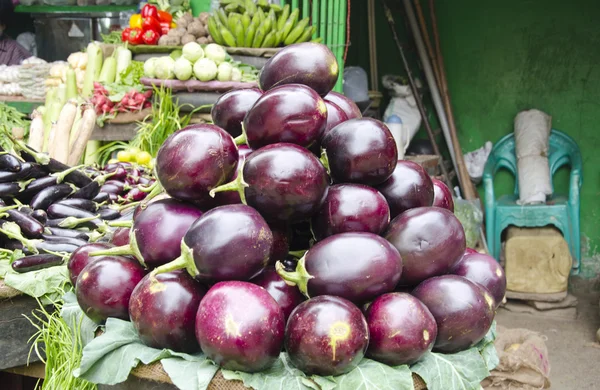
{"x": 188, "y": 29}
{"x": 147, "y": 27}
{"x": 302, "y": 234}
{"x": 203, "y": 64}
{"x": 25, "y": 79}
{"x": 246, "y": 23}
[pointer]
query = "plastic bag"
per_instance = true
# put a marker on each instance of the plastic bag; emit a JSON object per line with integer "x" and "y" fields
{"x": 402, "y": 115}
{"x": 475, "y": 161}
{"x": 471, "y": 217}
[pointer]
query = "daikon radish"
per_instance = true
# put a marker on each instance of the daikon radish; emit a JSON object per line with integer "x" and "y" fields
{"x": 51, "y": 139}
{"x": 88, "y": 123}
{"x": 63, "y": 131}
{"x": 36, "y": 131}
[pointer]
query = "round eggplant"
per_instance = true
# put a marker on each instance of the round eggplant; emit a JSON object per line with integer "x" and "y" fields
{"x": 163, "y": 311}
{"x": 408, "y": 187}
{"x": 80, "y": 258}
{"x": 484, "y": 270}
{"x": 430, "y": 240}
{"x": 360, "y": 151}
{"x": 240, "y": 326}
{"x": 463, "y": 311}
{"x": 346, "y": 104}
{"x": 401, "y": 329}
{"x": 104, "y": 287}
{"x": 281, "y": 242}
{"x": 286, "y": 296}
{"x": 442, "y": 196}
{"x": 335, "y": 116}
{"x": 351, "y": 208}
{"x": 229, "y": 110}
{"x": 194, "y": 160}
{"x": 120, "y": 237}
{"x": 290, "y": 113}
{"x": 354, "y": 266}
{"x": 326, "y": 335}
{"x": 311, "y": 64}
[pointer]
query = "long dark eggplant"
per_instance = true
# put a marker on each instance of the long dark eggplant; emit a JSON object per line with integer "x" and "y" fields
{"x": 9, "y": 189}
{"x": 65, "y": 240}
{"x": 73, "y": 223}
{"x": 58, "y": 210}
{"x": 101, "y": 197}
{"x": 26, "y": 210}
{"x": 80, "y": 203}
{"x": 39, "y": 184}
{"x": 30, "y": 227}
{"x": 52, "y": 246}
{"x": 10, "y": 163}
{"x": 76, "y": 177}
{"x": 46, "y": 197}
{"x": 70, "y": 233}
{"x": 108, "y": 214}
{"x": 12, "y": 245}
{"x": 28, "y": 171}
{"x": 40, "y": 215}
{"x": 36, "y": 262}
{"x": 91, "y": 190}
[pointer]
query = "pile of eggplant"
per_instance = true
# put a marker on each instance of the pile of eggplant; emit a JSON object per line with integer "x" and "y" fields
{"x": 304, "y": 233}
{"x": 48, "y": 209}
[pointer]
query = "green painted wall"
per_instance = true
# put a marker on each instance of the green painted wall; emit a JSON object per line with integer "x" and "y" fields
{"x": 503, "y": 57}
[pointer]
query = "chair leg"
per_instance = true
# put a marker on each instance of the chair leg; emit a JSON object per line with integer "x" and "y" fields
{"x": 491, "y": 235}
{"x": 576, "y": 235}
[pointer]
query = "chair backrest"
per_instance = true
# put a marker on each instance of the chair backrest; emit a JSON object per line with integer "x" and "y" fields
{"x": 563, "y": 150}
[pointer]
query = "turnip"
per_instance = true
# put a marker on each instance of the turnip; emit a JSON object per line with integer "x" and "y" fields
{"x": 442, "y": 196}
{"x": 430, "y": 240}
{"x": 163, "y": 68}
{"x": 205, "y": 69}
{"x": 286, "y": 296}
{"x": 224, "y": 71}
{"x": 192, "y": 52}
{"x": 484, "y": 270}
{"x": 360, "y": 151}
{"x": 354, "y": 266}
{"x": 240, "y": 326}
{"x": 408, "y": 187}
{"x": 463, "y": 311}
{"x": 351, "y": 208}
{"x": 401, "y": 329}
{"x": 326, "y": 335}
{"x": 163, "y": 311}
{"x": 182, "y": 69}
{"x": 229, "y": 110}
{"x": 215, "y": 53}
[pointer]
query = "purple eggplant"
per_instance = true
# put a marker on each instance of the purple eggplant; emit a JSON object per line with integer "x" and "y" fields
{"x": 281, "y": 242}
{"x": 430, "y": 240}
{"x": 240, "y": 326}
{"x": 326, "y": 335}
{"x": 92, "y": 190}
{"x": 80, "y": 203}
{"x": 10, "y": 189}
{"x": 311, "y": 64}
{"x": 43, "y": 199}
{"x": 81, "y": 257}
{"x": 285, "y": 182}
{"x": 72, "y": 233}
{"x": 354, "y": 266}
{"x": 101, "y": 197}
{"x": 157, "y": 232}
{"x": 286, "y": 296}
{"x": 351, "y": 208}
{"x": 484, "y": 270}
{"x": 360, "y": 151}
{"x": 442, "y": 196}
{"x": 66, "y": 240}
{"x": 36, "y": 262}
{"x": 108, "y": 214}
{"x": 135, "y": 195}
{"x": 290, "y": 113}
{"x": 120, "y": 237}
{"x": 30, "y": 227}
{"x": 58, "y": 210}
{"x": 229, "y": 110}
{"x": 9, "y": 163}
{"x": 104, "y": 287}
{"x": 408, "y": 187}
{"x": 163, "y": 309}
{"x": 40, "y": 215}
{"x": 230, "y": 242}
{"x": 401, "y": 329}
{"x": 194, "y": 160}
{"x": 346, "y": 104}
{"x": 463, "y": 311}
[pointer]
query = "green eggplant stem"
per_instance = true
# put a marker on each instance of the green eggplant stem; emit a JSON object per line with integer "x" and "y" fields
{"x": 125, "y": 224}
{"x": 299, "y": 278}
{"x": 242, "y": 138}
{"x": 124, "y": 250}
{"x": 60, "y": 176}
{"x": 298, "y": 254}
{"x": 13, "y": 231}
{"x": 186, "y": 260}
{"x": 325, "y": 160}
{"x": 238, "y": 185}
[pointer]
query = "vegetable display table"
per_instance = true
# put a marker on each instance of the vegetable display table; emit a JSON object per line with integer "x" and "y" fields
{"x": 22, "y": 104}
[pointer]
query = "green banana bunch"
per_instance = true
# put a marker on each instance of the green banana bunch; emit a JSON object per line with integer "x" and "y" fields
{"x": 258, "y": 24}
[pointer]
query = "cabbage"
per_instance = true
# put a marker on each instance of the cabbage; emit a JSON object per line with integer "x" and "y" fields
{"x": 215, "y": 52}
{"x": 150, "y": 67}
{"x": 182, "y": 69}
{"x": 224, "y": 71}
{"x": 192, "y": 52}
{"x": 205, "y": 69}
{"x": 164, "y": 68}
{"x": 236, "y": 74}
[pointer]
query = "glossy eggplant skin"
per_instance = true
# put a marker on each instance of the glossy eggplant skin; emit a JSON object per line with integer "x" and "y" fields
{"x": 442, "y": 196}
{"x": 430, "y": 240}
{"x": 484, "y": 270}
{"x": 80, "y": 203}
{"x": 229, "y": 110}
{"x": 30, "y": 227}
{"x": 121, "y": 236}
{"x": 286, "y": 296}
{"x": 360, "y": 151}
{"x": 346, "y": 104}
{"x": 351, "y": 208}
{"x": 286, "y": 182}
{"x": 9, "y": 163}
{"x": 81, "y": 257}
{"x": 408, "y": 187}
{"x": 49, "y": 195}
{"x": 291, "y": 113}
{"x": 36, "y": 262}
{"x": 240, "y": 326}
{"x": 163, "y": 311}
{"x": 9, "y": 189}
{"x": 326, "y": 335}
{"x": 104, "y": 287}
{"x": 58, "y": 210}
{"x": 233, "y": 197}
{"x": 72, "y": 233}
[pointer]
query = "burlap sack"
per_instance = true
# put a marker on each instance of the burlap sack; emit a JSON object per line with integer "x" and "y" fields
{"x": 8, "y": 292}
{"x": 523, "y": 364}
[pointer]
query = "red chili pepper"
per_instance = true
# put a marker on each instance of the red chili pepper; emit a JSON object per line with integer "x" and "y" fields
{"x": 153, "y": 24}
{"x": 125, "y": 34}
{"x": 165, "y": 27}
{"x": 135, "y": 36}
{"x": 149, "y": 11}
{"x": 151, "y": 37}
{"x": 165, "y": 17}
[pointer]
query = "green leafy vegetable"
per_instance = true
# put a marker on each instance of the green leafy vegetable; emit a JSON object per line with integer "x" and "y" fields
{"x": 372, "y": 375}
{"x": 114, "y": 37}
{"x": 11, "y": 118}
{"x": 77, "y": 320}
{"x": 189, "y": 374}
{"x": 47, "y": 283}
{"x": 488, "y": 350}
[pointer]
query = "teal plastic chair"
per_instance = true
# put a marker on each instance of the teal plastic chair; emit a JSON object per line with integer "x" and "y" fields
{"x": 562, "y": 211}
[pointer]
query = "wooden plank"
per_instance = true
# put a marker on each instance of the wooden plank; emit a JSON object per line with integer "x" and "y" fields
{"x": 33, "y": 370}
{"x": 15, "y": 331}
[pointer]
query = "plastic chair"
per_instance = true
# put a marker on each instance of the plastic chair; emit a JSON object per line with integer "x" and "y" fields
{"x": 559, "y": 211}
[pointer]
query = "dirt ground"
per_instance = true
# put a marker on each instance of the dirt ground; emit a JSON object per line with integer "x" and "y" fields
{"x": 574, "y": 354}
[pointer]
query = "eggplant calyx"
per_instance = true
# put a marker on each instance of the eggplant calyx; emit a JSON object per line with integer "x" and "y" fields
{"x": 242, "y": 138}
{"x": 95, "y": 236}
{"x": 124, "y": 250}
{"x": 12, "y": 230}
{"x": 135, "y": 248}
{"x": 60, "y": 176}
{"x": 299, "y": 278}
{"x": 186, "y": 260}
{"x": 40, "y": 158}
{"x": 325, "y": 160}
{"x": 103, "y": 178}
{"x": 238, "y": 185}
{"x": 298, "y": 254}
{"x": 118, "y": 224}
{"x": 73, "y": 222}
{"x": 156, "y": 189}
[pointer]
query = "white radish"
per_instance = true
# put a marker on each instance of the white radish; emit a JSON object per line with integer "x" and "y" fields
{"x": 51, "y": 139}
{"x": 64, "y": 124}
{"x": 36, "y": 131}
{"x": 88, "y": 123}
